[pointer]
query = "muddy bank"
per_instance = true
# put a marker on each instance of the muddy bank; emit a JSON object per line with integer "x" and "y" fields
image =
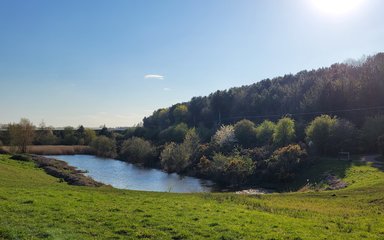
{"x": 60, "y": 169}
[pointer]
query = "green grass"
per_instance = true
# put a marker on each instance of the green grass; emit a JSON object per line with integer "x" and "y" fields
{"x": 34, "y": 205}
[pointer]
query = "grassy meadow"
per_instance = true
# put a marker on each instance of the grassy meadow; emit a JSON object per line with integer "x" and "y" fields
{"x": 34, "y": 205}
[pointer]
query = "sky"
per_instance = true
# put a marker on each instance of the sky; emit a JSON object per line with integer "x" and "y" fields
{"x": 93, "y": 62}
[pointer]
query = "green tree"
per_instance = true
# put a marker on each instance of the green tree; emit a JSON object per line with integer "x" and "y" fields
{"x": 233, "y": 169}
{"x": 138, "y": 150}
{"x": 373, "y": 128}
{"x": 104, "y": 146}
{"x": 44, "y": 135}
{"x": 89, "y": 136}
{"x": 245, "y": 133}
{"x": 180, "y": 113}
{"x": 174, "y": 158}
{"x": 284, "y": 132}
{"x": 225, "y": 137}
{"x": 264, "y": 132}
{"x": 21, "y": 134}
{"x": 319, "y": 131}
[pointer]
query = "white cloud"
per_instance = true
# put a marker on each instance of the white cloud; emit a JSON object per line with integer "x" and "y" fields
{"x": 154, "y": 76}
{"x": 167, "y": 89}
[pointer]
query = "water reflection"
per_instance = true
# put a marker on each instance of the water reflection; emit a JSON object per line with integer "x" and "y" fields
{"x": 129, "y": 176}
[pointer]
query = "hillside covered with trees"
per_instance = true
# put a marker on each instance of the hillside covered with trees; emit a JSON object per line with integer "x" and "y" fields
{"x": 264, "y": 132}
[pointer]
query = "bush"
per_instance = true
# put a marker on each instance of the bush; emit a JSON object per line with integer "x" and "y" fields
{"x": 372, "y": 129}
{"x": 284, "y": 162}
{"x": 174, "y": 158}
{"x": 137, "y": 150}
{"x": 284, "y": 132}
{"x": 318, "y": 133}
{"x": 104, "y": 147}
{"x": 245, "y": 133}
{"x": 264, "y": 132}
{"x": 225, "y": 138}
{"x": 234, "y": 169}
{"x": 174, "y": 133}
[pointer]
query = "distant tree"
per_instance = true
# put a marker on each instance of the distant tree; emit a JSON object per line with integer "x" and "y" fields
{"x": 233, "y": 169}
{"x": 225, "y": 137}
{"x": 285, "y": 161}
{"x": 104, "y": 147}
{"x": 44, "y": 135}
{"x": 174, "y": 158}
{"x": 174, "y": 133}
{"x": 373, "y": 128}
{"x": 343, "y": 137}
{"x": 89, "y": 136}
{"x": 80, "y": 135}
{"x": 180, "y": 113}
{"x": 105, "y": 132}
{"x": 21, "y": 134}
{"x": 264, "y": 132}
{"x": 69, "y": 137}
{"x": 319, "y": 132}
{"x": 138, "y": 150}
{"x": 191, "y": 145}
{"x": 284, "y": 132}
{"x": 245, "y": 133}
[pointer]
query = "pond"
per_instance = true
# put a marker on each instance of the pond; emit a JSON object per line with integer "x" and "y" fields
{"x": 125, "y": 175}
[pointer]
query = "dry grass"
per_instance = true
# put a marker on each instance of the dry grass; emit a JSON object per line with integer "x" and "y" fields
{"x": 54, "y": 149}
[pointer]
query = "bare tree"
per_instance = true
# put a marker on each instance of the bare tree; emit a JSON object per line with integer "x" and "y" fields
{"x": 21, "y": 134}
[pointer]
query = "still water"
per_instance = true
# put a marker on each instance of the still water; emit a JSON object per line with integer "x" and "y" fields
{"x": 129, "y": 176}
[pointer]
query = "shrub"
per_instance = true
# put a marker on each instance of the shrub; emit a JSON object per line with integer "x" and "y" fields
{"x": 284, "y": 132}
{"x": 137, "y": 150}
{"x": 225, "y": 137}
{"x": 285, "y": 161}
{"x": 174, "y": 133}
{"x": 233, "y": 169}
{"x": 318, "y": 133}
{"x": 373, "y": 128}
{"x": 245, "y": 133}
{"x": 104, "y": 146}
{"x": 264, "y": 132}
{"x": 174, "y": 158}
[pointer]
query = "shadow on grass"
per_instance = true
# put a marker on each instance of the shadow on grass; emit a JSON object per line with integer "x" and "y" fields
{"x": 314, "y": 173}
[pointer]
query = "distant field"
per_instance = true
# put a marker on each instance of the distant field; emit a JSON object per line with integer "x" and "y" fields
{"x": 34, "y": 205}
{"x": 55, "y": 149}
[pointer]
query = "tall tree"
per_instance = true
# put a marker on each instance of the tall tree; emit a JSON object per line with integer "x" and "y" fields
{"x": 22, "y": 134}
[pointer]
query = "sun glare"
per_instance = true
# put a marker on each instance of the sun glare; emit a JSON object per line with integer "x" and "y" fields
{"x": 337, "y": 7}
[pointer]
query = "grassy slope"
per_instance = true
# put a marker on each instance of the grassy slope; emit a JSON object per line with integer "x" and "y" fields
{"x": 34, "y": 205}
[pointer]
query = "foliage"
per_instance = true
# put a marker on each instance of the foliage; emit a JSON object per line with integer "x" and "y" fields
{"x": 225, "y": 137}
{"x": 373, "y": 128}
{"x": 174, "y": 158}
{"x": 69, "y": 137}
{"x": 233, "y": 169}
{"x": 177, "y": 157}
{"x": 284, "y": 132}
{"x": 264, "y": 132}
{"x": 44, "y": 135}
{"x": 343, "y": 137}
{"x": 174, "y": 133}
{"x": 21, "y": 134}
{"x": 137, "y": 150}
{"x": 180, "y": 113}
{"x": 89, "y": 136}
{"x": 319, "y": 131}
{"x": 104, "y": 146}
{"x": 331, "y": 89}
{"x": 245, "y": 133}
{"x": 285, "y": 161}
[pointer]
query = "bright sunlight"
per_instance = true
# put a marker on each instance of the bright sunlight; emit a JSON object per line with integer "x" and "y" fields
{"x": 337, "y": 7}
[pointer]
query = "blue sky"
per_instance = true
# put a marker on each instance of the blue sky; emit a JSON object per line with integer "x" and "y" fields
{"x": 113, "y": 62}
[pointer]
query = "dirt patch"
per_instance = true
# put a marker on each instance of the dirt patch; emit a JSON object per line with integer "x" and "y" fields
{"x": 333, "y": 182}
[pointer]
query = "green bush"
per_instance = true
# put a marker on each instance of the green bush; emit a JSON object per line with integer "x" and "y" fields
{"x": 373, "y": 128}
{"x": 104, "y": 146}
{"x": 137, "y": 150}
{"x": 284, "y": 132}
{"x": 264, "y": 132}
{"x": 284, "y": 162}
{"x": 233, "y": 169}
{"x": 318, "y": 133}
{"x": 245, "y": 133}
{"x": 174, "y": 158}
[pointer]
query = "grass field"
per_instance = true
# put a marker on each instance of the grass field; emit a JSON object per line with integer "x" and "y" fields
{"x": 34, "y": 205}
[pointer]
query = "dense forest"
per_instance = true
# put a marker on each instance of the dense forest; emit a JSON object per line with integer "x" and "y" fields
{"x": 263, "y": 132}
